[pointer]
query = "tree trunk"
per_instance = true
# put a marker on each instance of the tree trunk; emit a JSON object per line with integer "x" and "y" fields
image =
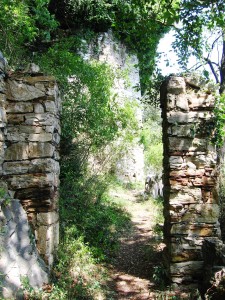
{"x": 222, "y": 68}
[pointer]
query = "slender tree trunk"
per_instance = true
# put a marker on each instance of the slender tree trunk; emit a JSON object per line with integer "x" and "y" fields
{"x": 222, "y": 69}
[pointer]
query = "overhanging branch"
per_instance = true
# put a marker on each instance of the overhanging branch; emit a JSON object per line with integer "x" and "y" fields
{"x": 210, "y": 63}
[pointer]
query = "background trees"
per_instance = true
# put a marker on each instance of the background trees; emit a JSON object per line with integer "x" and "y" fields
{"x": 202, "y": 30}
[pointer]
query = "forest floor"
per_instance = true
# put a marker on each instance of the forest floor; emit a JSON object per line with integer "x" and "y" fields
{"x": 137, "y": 272}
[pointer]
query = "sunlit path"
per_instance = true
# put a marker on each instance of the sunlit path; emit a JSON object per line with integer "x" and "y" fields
{"x": 139, "y": 251}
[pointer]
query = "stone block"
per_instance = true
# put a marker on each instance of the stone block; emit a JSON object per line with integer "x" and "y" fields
{"x": 16, "y": 136}
{"x": 182, "y": 102}
{"x": 176, "y": 162}
{"x": 207, "y": 213}
{"x": 178, "y": 117}
{"x": 19, "y": 107}
{"x": 37, "y": 80}
{"x": 50, "y": 107}
{"x": 36, "y": 196}
{"x": 44, "y": 165}
{"x": 195, "y": 230}
{"x": 187, "y": 130}
{"x": 40, "y": 137}
{"x": 2, "y": 100}
{"x": 18, "y": 90}
{"x": 2, "y": 138}
{"x": 56, "y": 138}
{"x": 47, "y": 219}
{"x": 186, "y": 144}
{"x": 38, "y": 150}
{"x": 171, "y": 100}
{"x": 186, "y": 196}
{"x": 190, "y": 267}
{"x": 209, "y": 196}
{"x": 3, "y": 118}
{"x": 182, "y": 255}
{"x": 39, "y": 108}
{"x": 24, "y": 181}
{"x": 47, "y": 235}
{"x": 30, "y": 129}
{"x": 41, "y": 119}
{"x": 15, "y": 119}
{"x": 176, "y": 85}
{"x": 16, "y": 167}
{"x": 17, "y": 151}
{"x": 200, "y": 100}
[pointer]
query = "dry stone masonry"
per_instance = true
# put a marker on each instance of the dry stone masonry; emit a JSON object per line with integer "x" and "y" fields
{"x": 191, "y": 207}
{"x": 31, "y": 158}
{"x": 29, "y": 168}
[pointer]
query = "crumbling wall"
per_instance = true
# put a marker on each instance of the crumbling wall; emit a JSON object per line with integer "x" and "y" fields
{"x": 29, "y": 168}
{"x": 31, "y": 158}
{"x": 191, "y": 207}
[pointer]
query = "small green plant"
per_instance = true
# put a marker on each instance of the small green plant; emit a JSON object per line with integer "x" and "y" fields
{"x": 159, "y": 276}
{"x": 217, "y": 127}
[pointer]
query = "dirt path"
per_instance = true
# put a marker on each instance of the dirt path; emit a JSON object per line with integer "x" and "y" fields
{"x": 138, "y": 253}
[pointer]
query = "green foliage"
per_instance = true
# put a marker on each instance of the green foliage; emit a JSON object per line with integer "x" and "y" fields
{"x": 23, "y": 23}
{"x": 140, "y": 24}
{"x": 151, "y": 138}
{"x": 217, "y": 127}
{"x": 197, "y": 18}
{"x": 89, "y": 111}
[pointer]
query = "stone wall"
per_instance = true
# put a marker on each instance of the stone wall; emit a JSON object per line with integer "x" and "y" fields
{"x": 29, "y": 151}
{"x": 31, "y": 158}
{"x": 29, "y": 168}
{"x": 191, "y": 207}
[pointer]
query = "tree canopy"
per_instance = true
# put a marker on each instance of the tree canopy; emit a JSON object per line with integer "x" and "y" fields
{"x": 197, "y": 18}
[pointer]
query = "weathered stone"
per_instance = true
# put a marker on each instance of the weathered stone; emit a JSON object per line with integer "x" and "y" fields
{"x": 44, "y": 219}
{"x": 179, "y": 117}
{"x": 56, "y": 138}
{"x": 186, "y": 144}
{"x": 182, "y": 102}
{"x": 36, "y": 195}
{"x": 45, "y": 165}
{"x": 16, "y": 136}
{"x": 29, "y": 129}
{"x": 201, "y": 229}
{"x": 186, "y": 196}
{"x": 24, "y": 181}
{"x": 50, "y": 107}
{"x": 171, "y": 98}
{"x": 16, "y": 167}
{"x": 191, "y": 267}
{"x": 187, "y": 130}
{"x": 20, "y": 91}
{"x": 200, "y": 100}
{"x": 191, "y": 210}
{"x": 176, "y": 162}
{"x": 176, "y": 85}
{"x": 15, "y": 119}
{"x": 39, "y": 108}
{"x": 40, "y": 119}
{"x": 207, "y": 213}
{"x": 19, "y": 107}
{"x": 19, "y": 257}
{"x": 17, "y": 151}
{"x": 37, "y": 150}
{"x": 34, "y": 80}
{"x": 40, "y": 137}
